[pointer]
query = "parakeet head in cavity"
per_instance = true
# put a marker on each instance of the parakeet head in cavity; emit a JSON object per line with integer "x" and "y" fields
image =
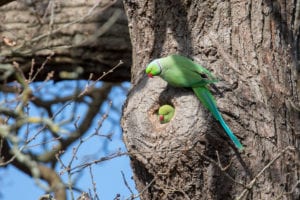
{"x": 154, "y": 68}
{"x": 166, "y": 112}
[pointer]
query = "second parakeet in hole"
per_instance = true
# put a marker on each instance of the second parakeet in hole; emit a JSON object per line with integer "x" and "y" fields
{"x": 165, "y": 113}
{"x": 180, "y": 71}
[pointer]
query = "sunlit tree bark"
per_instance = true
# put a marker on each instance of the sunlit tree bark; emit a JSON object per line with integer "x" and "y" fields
{"x": 251, "y": 47}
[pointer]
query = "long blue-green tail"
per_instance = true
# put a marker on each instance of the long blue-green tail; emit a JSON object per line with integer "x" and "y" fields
{"x": 209, "y": 102}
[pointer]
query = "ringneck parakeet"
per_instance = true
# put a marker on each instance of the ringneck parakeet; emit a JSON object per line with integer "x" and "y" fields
{"x": 180, "y": 71}
{"x": 166, "y": 112}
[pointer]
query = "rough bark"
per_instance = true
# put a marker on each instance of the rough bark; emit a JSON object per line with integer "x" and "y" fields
{"x": 3, "y": 2}
{"x": 250, "y": 46}
{"x": 81, "y": 37}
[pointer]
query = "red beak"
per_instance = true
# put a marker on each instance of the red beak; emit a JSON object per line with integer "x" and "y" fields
{"x": 150, "y": 75}
{"x": 161, "y": 118}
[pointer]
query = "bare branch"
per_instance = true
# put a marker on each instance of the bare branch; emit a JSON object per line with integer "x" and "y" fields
{"x": 251, "y": 184}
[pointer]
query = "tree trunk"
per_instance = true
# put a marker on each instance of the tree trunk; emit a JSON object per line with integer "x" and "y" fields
{"x": 74, "y": 38}
{"x": 250, "y": 46}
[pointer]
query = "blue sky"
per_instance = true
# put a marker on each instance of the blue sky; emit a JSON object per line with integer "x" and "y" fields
{"x": 107, "y": 175}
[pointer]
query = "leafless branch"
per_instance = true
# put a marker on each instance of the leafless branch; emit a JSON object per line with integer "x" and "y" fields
{"x": 88, "y": 87}
{"x": 93, "y": 183}
{"x": 251, "y": 184}
{"x": 126, "y": 183}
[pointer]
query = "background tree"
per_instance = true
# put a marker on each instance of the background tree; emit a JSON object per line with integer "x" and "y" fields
{"x": 86, "y": 37}
{"x": 252, "y": 46}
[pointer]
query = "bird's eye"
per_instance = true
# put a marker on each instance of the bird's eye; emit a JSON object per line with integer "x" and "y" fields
{"x": 203, "y": 75}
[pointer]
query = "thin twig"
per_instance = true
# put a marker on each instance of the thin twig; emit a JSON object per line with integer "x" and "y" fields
{"x": 143, "y": 190}
{"x": 126, "y": 184}
{"x": 101, "y": 77}
{"x": 251, "y": 184}
{"x": 93, "y": 183}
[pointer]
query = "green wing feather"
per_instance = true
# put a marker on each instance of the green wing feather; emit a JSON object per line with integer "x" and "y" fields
{"x": 180, "y": 71}
{"x": 209, "y": 102}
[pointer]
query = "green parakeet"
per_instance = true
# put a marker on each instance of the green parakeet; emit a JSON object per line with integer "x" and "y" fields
{"x": 165, "y": 112}
{"x": 180, "y": 71}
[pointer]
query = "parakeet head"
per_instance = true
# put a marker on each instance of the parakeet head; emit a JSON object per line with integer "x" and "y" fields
{"x": 154, "y": 68}
{"x": 165, "y": 112}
